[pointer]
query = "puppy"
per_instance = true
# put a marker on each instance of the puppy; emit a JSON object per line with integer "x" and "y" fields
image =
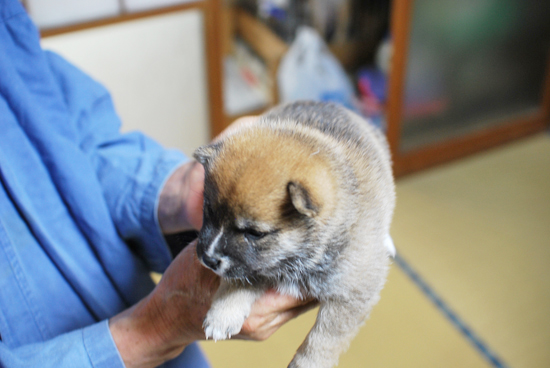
{"x": 300, "y": 201}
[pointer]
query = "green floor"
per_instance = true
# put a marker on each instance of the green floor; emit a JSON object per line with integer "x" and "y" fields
{"x": 478, "y": 232}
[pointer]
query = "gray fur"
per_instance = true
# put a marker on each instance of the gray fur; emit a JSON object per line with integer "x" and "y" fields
{"x": 340, "y": 258}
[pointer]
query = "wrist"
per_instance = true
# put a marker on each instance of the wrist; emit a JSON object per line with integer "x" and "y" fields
{"x": 143, "y": 338}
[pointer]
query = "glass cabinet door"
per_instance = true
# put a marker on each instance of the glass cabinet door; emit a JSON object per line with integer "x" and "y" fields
{"x": 472, "y": 65}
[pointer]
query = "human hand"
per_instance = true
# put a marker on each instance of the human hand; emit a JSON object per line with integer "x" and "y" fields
{"x": 181, "y": 198}
{"x": 171, "y": 317}
{"x": 159, "y": 327}
{"x": 271, "y": 312}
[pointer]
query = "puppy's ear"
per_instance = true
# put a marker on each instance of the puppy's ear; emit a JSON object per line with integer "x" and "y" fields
{"x": 302, "y": 200}
{"x": 205, "y": 154}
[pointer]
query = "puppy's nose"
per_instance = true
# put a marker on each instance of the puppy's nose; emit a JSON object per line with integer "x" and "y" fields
{"x": 211, "y": 262}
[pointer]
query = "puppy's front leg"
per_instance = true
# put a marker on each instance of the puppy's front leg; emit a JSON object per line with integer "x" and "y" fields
{"x": 338, "y": 321}
{"x": 229, "y": 310}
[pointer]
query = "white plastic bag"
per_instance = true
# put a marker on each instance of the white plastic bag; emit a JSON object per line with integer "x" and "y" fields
{"x": 310, "y": 72}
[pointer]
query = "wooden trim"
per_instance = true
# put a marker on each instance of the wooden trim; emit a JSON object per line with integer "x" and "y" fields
{"x": 214, "y": 58}
{"x": 228, "y": 30}
{"x": 400, "y": 29}
{"x": 460, "y": 147}
{"x": 546, "y": 91}
{"x": 200, "y": 4}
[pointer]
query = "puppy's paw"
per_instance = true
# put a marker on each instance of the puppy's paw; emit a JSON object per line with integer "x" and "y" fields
{"x": 221, "y": 324}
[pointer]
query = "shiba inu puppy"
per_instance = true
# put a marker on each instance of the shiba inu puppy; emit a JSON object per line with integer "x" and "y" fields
{"x": 300, "y": 201}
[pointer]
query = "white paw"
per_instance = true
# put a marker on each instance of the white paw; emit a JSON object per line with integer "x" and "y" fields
{"x": 222, "y": 324}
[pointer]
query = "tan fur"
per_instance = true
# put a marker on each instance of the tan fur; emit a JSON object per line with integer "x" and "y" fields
{"x": 301, "y": 201}
{"x": 255, "y": 168}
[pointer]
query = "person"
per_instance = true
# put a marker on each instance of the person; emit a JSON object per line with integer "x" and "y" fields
{"x": 83, "y": 214}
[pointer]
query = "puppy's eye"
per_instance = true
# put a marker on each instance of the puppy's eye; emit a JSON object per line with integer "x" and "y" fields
{"x": 253, "y": 235}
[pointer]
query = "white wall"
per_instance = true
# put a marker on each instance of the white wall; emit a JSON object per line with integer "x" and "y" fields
{"x": 155, "y": 69}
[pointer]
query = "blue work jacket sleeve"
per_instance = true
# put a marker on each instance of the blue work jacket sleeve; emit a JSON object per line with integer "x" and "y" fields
{"x": 92, "y": 347}
{"x": 131, "y": 168}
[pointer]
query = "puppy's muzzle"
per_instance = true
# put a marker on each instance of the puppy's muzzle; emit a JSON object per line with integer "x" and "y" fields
{"x": 211, "y": 262}
{"x": 207, "y": 249}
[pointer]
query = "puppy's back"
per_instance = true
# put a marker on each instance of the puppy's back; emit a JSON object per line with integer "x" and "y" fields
{"x": 365, "y": 146}
{"x": 333, "y": 120}
{"x": 328, "y": 118}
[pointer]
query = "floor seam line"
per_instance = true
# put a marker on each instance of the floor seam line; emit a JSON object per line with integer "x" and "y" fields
{"x": 466, "y": 331}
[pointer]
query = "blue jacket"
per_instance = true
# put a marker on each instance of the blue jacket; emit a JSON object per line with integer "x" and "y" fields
{"x": 78, "y": 227}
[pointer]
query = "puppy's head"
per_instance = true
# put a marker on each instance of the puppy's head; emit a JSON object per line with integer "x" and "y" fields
{"x": 266, "y": 194}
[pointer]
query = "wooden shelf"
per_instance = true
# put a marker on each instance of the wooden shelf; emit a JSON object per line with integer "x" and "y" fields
{"x": 262, "y": 40}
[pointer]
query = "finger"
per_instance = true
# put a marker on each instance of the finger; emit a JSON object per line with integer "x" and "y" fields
{"x": 295, "y": 312}
{"x": 236, "y": 125}
{"x": 275, "y": 302}
{"x": 194, "y": 195}
{"x": 290, "y": 314}
{"x": 260, "y": 330}
{"x": 260, "y": 327}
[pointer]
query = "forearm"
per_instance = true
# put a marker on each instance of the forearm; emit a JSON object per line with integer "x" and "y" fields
{"x": 140, "y": 340}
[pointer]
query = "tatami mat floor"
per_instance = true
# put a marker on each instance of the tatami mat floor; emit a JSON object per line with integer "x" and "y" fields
{"x": 478, "y": 232}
